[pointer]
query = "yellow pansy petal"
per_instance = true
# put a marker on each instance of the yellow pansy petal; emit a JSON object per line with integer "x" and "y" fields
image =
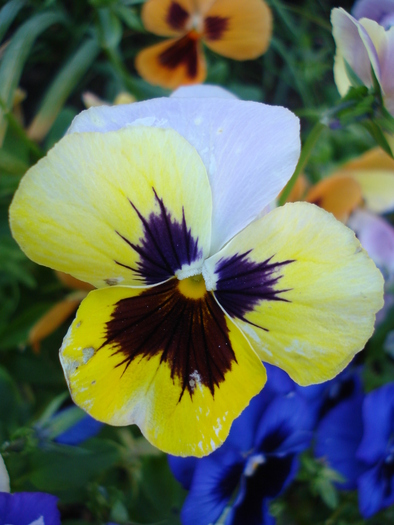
{"x": 374, "y": 172}
{"x": 338, "y": 194}
{"x": 130, "y": 206}
{"x": 173, "y": 63}
{"x": 301, "y": 287}
{"x": 238, "y": 30}
{"x": 166, "y": 358}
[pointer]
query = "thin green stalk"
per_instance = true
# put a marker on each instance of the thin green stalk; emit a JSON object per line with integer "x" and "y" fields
{"x": 307, "y": 149}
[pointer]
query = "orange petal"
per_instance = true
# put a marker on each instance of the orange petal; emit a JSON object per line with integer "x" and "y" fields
{"x": 338, "y": 194}
{"x": 239, "y": 30}
{"x": 73, "y": 283}
{"x": 50, "y": 321}
{"x": 374, "y": 159}
{"x": 173, "y": 63}
{"x": 167, "y": 17}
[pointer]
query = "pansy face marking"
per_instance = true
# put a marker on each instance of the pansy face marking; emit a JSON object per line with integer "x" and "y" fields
{"x": 165, "y": 247}
{"x": 180, "y": 320}
{"x": 182, "y": 323}
{"x": 155, "y": 204}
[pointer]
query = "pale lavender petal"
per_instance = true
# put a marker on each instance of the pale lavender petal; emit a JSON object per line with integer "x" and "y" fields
{"x": 250, "y": 149}
{"x": 354, "y": 45}
{"x": 377, "y": 10}
{"x": 387, "y": 66}
{"x": 202, "y": 91}
{"x": 377, "y": 238}
{"x": 387, "y": 21}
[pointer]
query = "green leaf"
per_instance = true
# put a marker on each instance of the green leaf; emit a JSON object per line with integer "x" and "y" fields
{"x": 63, "y": 85}
{"x": 130, "y": 18}
{"x": 12, "y": 164}
{"x": 71, "y": 467}
{"x": 378, "y": 136}
{"x": 354, "y": 79}
{"x": 9, "y": 405}
{"x": 109, "y": 29}
{"x": 7, "y": 15}
{"x": 14, "y": 59}
{"x": 327, "y": 492}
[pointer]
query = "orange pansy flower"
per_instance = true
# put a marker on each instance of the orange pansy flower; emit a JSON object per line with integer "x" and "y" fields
{"x": 238, "y": 30}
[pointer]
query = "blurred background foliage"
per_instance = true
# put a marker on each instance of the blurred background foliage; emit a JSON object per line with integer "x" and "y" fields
{"x": 51, "y": 53}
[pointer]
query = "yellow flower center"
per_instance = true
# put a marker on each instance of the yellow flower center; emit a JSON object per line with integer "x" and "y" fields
{"x": 193, "y": 287}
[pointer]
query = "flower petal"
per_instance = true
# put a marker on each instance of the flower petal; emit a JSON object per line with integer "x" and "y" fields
{"x": 238, "y": 30}
{"x": 337, "y": 437}
{"x": 377, "y": 238}
{"x": 372, "y": 9}
{"x": 374, "y": 171}
{"x": 301, "y": 287}
{"x": 338, "y": 194}
{"x": 214, "y": 481}
{"x": 4, "y": 477}
{"x": 172, "y": 63}
{"x": 353, "y": 45}
{"x": 176, "y": 366}
{"x": 29, "y": 508}
{"x": 378, "y": 425}
{"x": 375, "y": 490}
{"x": 203, "y": 91}
{"x": 250, "y": 150}
{"x": 166, "y": 17}
{"x": 116, "y": 207}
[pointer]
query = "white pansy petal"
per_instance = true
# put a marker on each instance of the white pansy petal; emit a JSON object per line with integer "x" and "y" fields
{"x": 202, "y": 91}
{"x": 250, "y": 149}
{"x": 4, "y": 477}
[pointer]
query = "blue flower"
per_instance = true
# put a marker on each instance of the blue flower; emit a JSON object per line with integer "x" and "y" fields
{"x": 256, "y": 463}
{"x": 356, "y": 438}
{"x": 85, "y": 428}
{"x": 339, "y": 433}
{"x": 28, "y": 508}
{"x": 376, "y": 452}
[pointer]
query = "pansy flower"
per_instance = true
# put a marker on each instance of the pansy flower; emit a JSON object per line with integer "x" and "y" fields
{"x": 157, "y": 204}
{"x": 238, "y": 30}
{"x": 257, "y": 462}
{"x": 364, "y": 46}
{"x": 356, "y": 438}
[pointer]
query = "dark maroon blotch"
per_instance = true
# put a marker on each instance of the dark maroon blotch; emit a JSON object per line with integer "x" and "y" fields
{"x": 191, "y": 335}
{"x": 214, "y": 27}
{"x": 183, "y": 51}
{"x": 177, "y": 16}
{"x": 243, "y": 283}
{"x": 165, "y": 247}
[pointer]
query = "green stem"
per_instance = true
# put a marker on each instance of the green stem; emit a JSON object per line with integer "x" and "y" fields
{"x": 307, "y": 149}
